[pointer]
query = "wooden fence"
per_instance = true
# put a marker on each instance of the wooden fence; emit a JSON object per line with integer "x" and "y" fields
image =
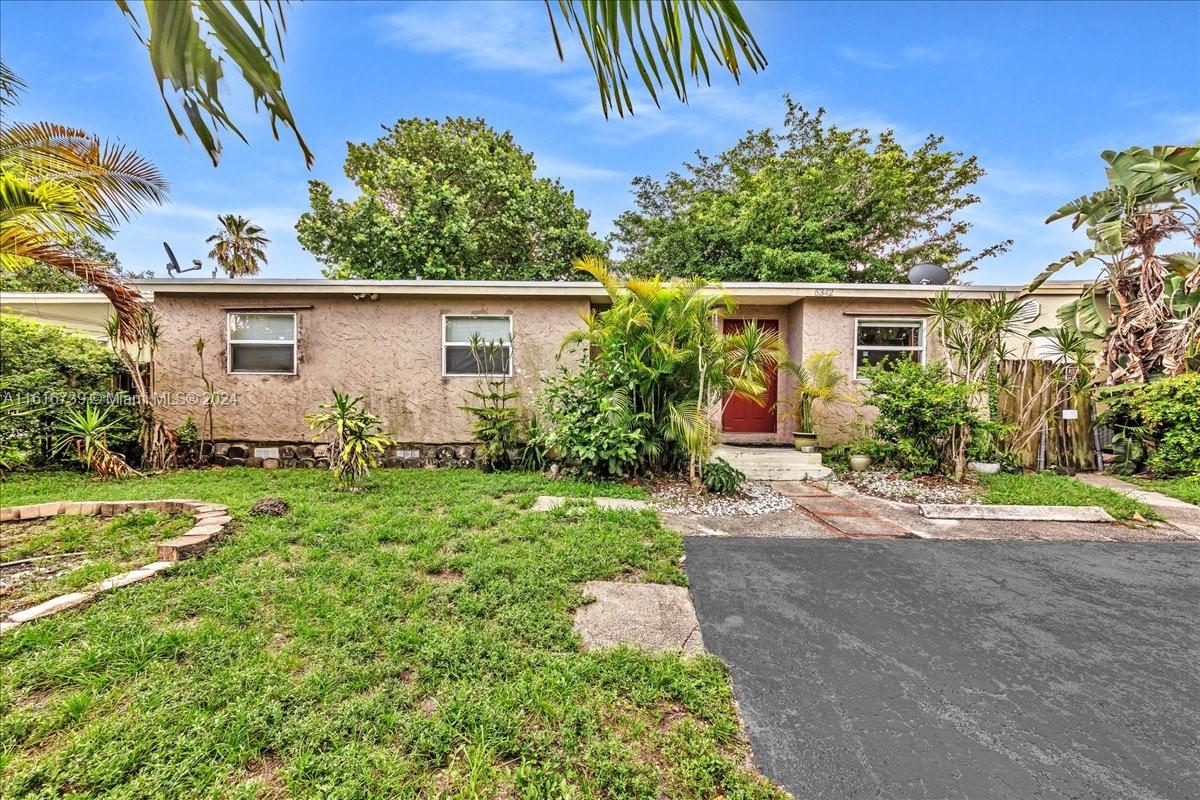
{"x": 1033, "y": 396}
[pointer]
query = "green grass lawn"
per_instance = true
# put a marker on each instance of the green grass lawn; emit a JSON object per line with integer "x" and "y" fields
{"x": 108, "y": 546}
{"x": 411, "y": 640}
{"x": 1048, "y": 489}
{"x": 1186, "y": 489}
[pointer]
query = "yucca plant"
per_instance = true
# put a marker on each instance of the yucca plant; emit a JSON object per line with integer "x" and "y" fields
{"x": 355, "y": 437}
{"x": 86, "y": 432}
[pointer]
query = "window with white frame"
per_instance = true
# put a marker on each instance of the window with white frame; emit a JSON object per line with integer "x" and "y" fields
{"x": 877, "y": 341}
{"x": 476, "y": 345}
{"x": 262, "y": 343}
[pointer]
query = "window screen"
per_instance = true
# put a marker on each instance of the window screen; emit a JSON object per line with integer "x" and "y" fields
{"x": 477, "y": 345}
{"x": 881, "y": 342}
{"x": 262, "y": 343}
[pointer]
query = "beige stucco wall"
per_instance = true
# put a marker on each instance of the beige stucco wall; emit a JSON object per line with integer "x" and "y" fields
{"x": 828, "y": 324}
{"x": 388, "y": 350}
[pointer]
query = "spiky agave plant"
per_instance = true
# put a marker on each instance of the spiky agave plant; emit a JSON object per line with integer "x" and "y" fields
{"x": 86, "y": 432}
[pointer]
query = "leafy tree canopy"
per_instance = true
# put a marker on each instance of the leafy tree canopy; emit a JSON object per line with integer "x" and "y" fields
{"x": 813, "y": 203}
{"x": 450, "y": 200}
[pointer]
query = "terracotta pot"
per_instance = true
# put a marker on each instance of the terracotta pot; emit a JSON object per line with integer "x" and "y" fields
{"x": 804, "y": 439}
{"x": 860, "y": 463}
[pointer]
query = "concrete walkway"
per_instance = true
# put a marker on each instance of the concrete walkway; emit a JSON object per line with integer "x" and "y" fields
{"x": 775, "y": 463}
{"x": 1178, "y": 514}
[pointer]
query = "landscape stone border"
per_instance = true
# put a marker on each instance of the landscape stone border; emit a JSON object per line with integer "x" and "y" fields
{"x": 211, "y": 521}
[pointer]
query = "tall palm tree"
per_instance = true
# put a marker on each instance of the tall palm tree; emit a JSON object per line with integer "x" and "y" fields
{"x": 58, "y": 182}
{"x": 189, "y": 39}
{"x": 239, "y": 247}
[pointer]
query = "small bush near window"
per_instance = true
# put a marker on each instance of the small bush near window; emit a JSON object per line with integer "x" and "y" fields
{"x": 722, "y": 477}
{"x": 497, "y": 415}
{"x": 587, "y": 425}
{"x": 923, "y": 416}
{"x": 1156, "y": 425}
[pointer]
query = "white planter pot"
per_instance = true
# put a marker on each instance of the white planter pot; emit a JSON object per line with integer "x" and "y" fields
{"x": 983, "y": 467}
{"x": 860, "y": 463}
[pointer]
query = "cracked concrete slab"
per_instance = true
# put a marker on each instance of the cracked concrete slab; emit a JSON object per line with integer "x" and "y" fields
{"x": 1016, "y": 513}
{"x": 653, "y": 616}
{"x": 547, "y": 502}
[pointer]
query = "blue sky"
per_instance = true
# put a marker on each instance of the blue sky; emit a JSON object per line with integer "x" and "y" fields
{"x": 1036, "y": 90}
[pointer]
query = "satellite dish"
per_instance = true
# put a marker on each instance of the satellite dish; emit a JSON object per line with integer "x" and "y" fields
{"x": 928, "y": 275}
{"x": 173, "y": 267}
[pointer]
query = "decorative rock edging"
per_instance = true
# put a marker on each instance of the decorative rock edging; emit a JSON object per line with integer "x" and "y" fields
{"x": 274, "y": 455}
{"x": 211, "y": 520}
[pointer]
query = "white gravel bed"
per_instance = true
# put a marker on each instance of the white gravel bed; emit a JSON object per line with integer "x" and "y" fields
{"x": 891, "y": 486}
{"x": 754, "y": 499}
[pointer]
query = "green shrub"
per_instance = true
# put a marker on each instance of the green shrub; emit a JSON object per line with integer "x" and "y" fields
{"x": 587, "y": 425}
{"x": 1156, "y": 425}
{"x": 44, "y": 368}
{"x": 497, "y": 415}
{"x": 922, "y": 415}
{"x": 356, "y": 437}
{"x": 722, "y": 477}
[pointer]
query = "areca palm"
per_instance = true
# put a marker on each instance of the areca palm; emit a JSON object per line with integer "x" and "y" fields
{"x": 239, "y": 247}
{"x": 660, "y": 344}
{"x": 664, "y": 41}
{"x": 57, "y": 182}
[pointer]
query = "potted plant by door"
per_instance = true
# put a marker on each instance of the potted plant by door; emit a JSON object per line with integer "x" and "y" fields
{"x": 818, "y": 380}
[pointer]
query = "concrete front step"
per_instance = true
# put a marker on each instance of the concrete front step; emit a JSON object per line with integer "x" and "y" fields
{"x": 775, "y": 463}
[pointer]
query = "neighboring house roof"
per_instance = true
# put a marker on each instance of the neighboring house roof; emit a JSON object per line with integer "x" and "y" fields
{"x": 80, "y": 310}
{"x": 747, "y": 292}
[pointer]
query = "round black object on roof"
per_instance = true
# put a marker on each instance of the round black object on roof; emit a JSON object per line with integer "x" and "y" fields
{"x": 928, "y": 275}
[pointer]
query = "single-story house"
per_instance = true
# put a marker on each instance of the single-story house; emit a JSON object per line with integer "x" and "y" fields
{"x": 277, "y": 347}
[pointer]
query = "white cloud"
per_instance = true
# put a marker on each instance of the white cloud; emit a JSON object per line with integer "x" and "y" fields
{"x": 866, "y": 59}
{"x": 269, "y": 218}
{"x": 567, "y": 170}
{"x": 1013, "y": 180}
{"x": 493, "y": 35}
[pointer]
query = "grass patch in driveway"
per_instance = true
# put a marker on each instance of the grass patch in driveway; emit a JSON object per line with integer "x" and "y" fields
{"x": 1048, "y": 489}
{"x": 413, "y": 639}
{"x": 1186, "y": 489}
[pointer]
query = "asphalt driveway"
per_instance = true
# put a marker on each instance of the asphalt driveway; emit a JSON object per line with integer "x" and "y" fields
{"x": 910, "y": 669}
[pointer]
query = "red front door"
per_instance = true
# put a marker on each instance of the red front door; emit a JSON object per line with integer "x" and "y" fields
{"x": 746, "y": 416}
